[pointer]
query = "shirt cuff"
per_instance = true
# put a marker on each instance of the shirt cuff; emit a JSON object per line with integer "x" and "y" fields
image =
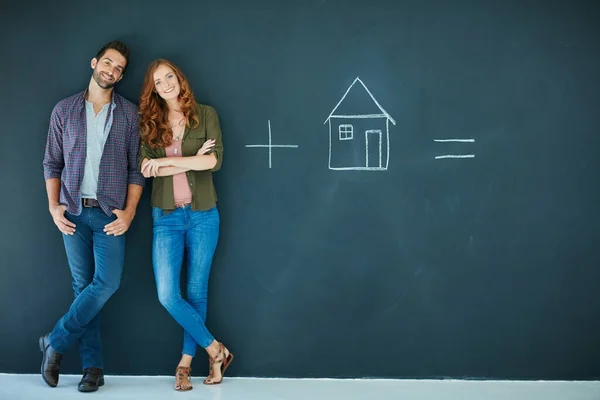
{"x": 135, "y": 178}
{"x": 52, "y": 174}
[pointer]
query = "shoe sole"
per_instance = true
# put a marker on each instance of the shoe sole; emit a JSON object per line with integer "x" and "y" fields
{"x": 88, "y": 390}
{"x": 42, "y": 348}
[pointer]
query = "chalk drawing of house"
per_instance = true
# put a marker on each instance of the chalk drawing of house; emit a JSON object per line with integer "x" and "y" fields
{"x": 359, "y": 134}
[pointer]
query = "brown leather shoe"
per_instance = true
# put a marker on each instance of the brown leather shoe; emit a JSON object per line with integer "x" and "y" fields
{"x": 91, "y": 380}
{"x": 50, "y": 362}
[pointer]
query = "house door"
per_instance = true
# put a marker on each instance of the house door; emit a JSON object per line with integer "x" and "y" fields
{"x": 373, "y": 139}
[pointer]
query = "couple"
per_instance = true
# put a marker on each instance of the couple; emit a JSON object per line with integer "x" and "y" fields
{"x": 95, "y": 163}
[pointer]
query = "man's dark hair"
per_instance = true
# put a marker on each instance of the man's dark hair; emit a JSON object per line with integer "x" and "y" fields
{"x": 118, "y": 46}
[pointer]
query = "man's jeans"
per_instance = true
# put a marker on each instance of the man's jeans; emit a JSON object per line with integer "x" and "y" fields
{"x": 96, "y": 262}
{"x": 195, "y": 233}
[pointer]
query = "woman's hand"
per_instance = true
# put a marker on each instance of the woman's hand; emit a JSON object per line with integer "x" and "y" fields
{"x": 152, "y": 166}
{"x": 206, "y": 147}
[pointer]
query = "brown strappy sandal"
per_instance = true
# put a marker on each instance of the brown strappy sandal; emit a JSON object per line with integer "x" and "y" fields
{"x": 224, "y": 361}
{"x": 181, "y": 374}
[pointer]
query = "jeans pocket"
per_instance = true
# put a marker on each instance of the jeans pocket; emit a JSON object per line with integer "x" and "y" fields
{"x": 157, "y": 213}
{"x": 69, "y": 217}
{"x": 208, "y": 217}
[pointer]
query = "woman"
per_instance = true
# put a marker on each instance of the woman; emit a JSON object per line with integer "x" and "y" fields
{"x": 181, "y": 147}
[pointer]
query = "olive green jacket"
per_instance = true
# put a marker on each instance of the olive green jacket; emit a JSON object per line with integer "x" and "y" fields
{"x": 204, "y": 195}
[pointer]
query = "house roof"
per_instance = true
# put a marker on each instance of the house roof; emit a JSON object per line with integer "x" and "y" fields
{"x": 354, "y": 115}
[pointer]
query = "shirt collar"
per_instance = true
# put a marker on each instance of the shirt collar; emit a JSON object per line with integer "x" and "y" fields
{"x": 113, "y": 104}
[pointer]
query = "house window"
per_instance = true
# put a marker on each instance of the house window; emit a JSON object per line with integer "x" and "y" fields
{"x": 346, "y": 132}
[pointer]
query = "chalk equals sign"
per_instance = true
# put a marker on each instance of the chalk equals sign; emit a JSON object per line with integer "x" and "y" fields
{"x": 455, "y": 155}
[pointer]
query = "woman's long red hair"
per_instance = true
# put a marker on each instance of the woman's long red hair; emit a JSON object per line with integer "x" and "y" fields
{"x": 153, "y": 110}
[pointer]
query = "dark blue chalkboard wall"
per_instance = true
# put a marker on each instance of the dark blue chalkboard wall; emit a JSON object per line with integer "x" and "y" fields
{"x": 433, "y": 214}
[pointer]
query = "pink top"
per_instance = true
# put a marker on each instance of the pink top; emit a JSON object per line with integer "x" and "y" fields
{"x": 181, "y": 188}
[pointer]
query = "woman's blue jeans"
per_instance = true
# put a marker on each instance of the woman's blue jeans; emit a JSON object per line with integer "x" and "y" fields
{"x": 194, "y": 233}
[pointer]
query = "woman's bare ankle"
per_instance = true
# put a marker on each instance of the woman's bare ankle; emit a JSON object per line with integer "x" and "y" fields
{"x": 186, "y": 361}
{"x": 213, "y": 349}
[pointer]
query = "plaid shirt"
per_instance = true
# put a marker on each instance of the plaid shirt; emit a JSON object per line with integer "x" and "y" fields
{"x": 66, "y": 148}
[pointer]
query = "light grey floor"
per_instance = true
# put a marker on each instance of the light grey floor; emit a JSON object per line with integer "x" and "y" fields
{"x": 26, "y": 387}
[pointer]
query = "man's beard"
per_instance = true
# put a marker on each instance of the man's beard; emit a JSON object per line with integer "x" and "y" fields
{"x": 100, "y": 81}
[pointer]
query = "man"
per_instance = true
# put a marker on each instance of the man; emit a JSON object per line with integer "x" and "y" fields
{"x": 93, "y": 186}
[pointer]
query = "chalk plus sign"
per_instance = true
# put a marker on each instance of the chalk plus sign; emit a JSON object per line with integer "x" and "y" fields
{"x": 271, "y": 145}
